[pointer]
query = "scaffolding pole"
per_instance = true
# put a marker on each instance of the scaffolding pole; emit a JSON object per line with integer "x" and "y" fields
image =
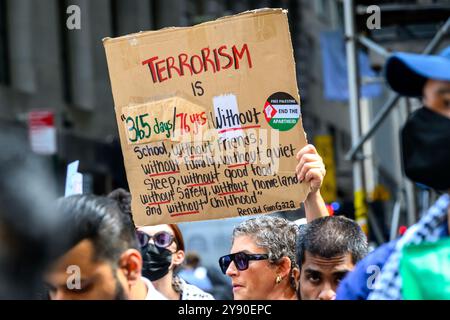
{"x": 353, "y": 91}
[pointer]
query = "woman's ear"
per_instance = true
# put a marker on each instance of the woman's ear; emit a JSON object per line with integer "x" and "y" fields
{"x": 296, "y": 274}
{"x": 284, "y": 267}
{"x": 131, "y": 265}
{"x": 178, "y": 258}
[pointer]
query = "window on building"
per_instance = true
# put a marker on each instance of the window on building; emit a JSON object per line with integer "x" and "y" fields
{"x": 345, "y": 142}
{"x": 321, "y": 8}
{"x": 4, "y": 58}
{"x": 333, "y": 133}
{"x": 114, "y": 18}
{"x": 65, "y": 51}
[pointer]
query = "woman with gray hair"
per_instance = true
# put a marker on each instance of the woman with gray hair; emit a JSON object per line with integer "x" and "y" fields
{"x": 262, "y": 264}
{"x": 263, "y": 256}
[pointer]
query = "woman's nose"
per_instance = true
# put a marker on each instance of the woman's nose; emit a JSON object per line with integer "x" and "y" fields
{"x": 231, "y": 270}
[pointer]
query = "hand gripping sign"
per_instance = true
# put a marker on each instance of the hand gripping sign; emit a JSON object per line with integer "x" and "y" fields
{"x": 209, "y": 118}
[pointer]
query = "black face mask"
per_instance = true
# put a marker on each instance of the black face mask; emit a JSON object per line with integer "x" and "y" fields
{"x": 156, "y": 262}
{"x": 426, "y": 149}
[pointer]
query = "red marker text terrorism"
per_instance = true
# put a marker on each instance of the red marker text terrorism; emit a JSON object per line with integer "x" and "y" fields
{"x": 214, "y": 60}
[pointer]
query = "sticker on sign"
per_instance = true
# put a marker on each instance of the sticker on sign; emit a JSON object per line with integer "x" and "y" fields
{"x": 281, "y": 111}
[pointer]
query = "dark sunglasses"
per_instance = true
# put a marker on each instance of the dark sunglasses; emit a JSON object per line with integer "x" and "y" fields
{"x": 161, "y": 239}
{"x": 240, "y": 259}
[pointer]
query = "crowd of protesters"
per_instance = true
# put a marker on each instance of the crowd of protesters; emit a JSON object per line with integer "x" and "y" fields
{"x": 101, "y": 254}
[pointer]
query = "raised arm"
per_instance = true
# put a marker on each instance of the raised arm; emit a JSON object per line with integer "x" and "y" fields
{"x": 310, "y": 168}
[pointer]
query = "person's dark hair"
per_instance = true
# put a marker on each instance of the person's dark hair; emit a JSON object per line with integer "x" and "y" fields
{"x": 328, "y": 237}
{"x": 101, "y": 220}
{"x": 123, "y": 198}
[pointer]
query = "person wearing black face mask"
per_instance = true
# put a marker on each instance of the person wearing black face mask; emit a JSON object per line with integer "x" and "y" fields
{"x": 426, "y": 148}
{"x": 162, "y": 249}
{"x": 156, "y": 261}
{"x": 408, "y": 262}
{"x": 426, "y": 135}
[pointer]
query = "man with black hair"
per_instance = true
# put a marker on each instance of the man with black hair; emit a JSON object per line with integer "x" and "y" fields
{"x": 102, "y": 258}
{"x": 327, "y": 249}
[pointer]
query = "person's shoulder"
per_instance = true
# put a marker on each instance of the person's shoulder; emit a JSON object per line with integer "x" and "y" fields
{"x": 356, "y": 284}
{"x": 440, "y": 205}
{"x": 191, "y": 292}
{"x": 381, "y": 253}
{"x": 377, "y": 257}
{"x": 152, "y": 293}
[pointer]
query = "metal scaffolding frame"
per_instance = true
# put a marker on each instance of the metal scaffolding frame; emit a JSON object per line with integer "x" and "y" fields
{"x": 355, "y": 123}
{"x": 353, "y": 39}
{"x": 388, "y": 106}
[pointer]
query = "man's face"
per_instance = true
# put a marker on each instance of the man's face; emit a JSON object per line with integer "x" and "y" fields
{"x": 320, "y": 277}
{"x": 436, "y": 95}
{"x": 97, "y": 280}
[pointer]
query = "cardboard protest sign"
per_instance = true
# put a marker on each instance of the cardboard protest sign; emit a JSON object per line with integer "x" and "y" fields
{"x": 209, "y": 118}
